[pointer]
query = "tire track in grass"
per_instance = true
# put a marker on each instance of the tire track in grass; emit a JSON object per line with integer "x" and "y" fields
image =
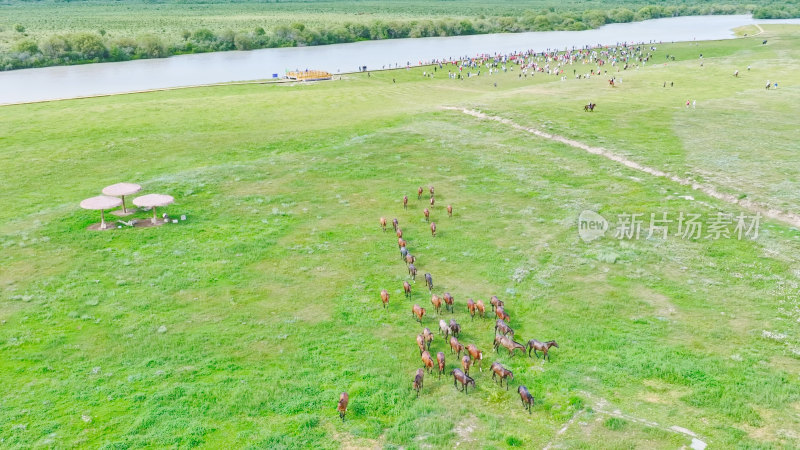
{"x": 789, "y": 218}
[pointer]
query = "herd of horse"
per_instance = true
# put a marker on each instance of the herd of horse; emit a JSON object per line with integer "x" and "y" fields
{"x": 451, "y": 330}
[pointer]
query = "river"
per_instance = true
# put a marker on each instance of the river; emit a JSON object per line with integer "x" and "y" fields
{"x": 63, "y": 82}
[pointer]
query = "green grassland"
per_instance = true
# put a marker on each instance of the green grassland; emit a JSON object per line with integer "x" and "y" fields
{"x": 268, "y": 294}
{"x": 55, "y": 32}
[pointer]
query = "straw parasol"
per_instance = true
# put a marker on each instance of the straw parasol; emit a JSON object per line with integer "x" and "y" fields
{"x": 101, "y": 202}
{"x": 121, "y": 190}
{"x": 152, "y": 201}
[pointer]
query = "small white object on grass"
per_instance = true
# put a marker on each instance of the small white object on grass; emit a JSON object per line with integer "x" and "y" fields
{"x": 183, "y": 216}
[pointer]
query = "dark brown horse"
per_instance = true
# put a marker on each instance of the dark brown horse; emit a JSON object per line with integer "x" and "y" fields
{"x": 481, "y": 308}
{"x": 419, "y": 193}
{"x": 342, "y": 406}
{"x": 427, "y": 361}
{"x": 418, "y": 380}
{"x": 471, "y": 308}
{"x": 440, "y": 361}
{"x": 449, "y": 210}
{"x": 589, "y": 107}
{"x": 412, "y": 270}
{"x": 429, "y": 282}
{"x": 501, "y": 314}
{"x": 456, "y": 346}
{"x": 407, "y": 289}
{"x": 418, "y": 312}
{"x": 503, "y": 328}
{"x": 477, "y": 355}
{"x": 526, "y": 397}
{"x": 395, "y": 224}
{"x": 448, "y": 300}
{"x": 426, "y": 333}
{"x": 385, "y": 298}
{"x": 383, "y": 223}
{"x": 437, "y": 303}
{"x": 464, "y": 379}
{"x": 405, "y": 202}
{"x": 433, "y": 229}
{"x": 543, "y": 347}
{"x": 455, "y": 328}
{"x": 399, "y": 232}
{"x": 466, "y": 362}
{"x": 499, "y": 371}
{"x": 427, "y": 214}
{"x": 433, "y": 201}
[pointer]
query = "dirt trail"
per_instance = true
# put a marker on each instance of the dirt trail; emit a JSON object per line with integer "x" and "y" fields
{"x": 753, "y": 207}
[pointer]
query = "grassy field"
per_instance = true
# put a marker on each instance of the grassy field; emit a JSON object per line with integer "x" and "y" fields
{"x": 241, "y": 326}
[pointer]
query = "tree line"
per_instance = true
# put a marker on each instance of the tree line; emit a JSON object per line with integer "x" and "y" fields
{"x": 85, "y": 47}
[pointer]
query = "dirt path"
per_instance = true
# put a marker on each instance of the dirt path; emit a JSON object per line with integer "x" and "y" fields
{"x": 751, "y": 206}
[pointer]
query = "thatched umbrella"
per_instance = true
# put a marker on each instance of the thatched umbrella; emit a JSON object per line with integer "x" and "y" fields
{"x": 121, "y": 190}
{"x": 152, "y": 201}
{"x": 101, "y": 202}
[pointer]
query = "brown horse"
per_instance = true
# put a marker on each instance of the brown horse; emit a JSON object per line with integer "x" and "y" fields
{"x": 412, "y": 270}
{"x": 510, "y": 344}
{"x": 426, "y": 333}
{"x": 418, "y": 312}
{"x": 471, "y": 308}
{"x": 543, "y": 347}
{"x": 433, "y": 229}
{"x": 440, "y": 361}
{"x": 427, "y": 214}
{"x": 449, "y": 210}
{"x": 503, "y": 327}
{"x": 427, "y": 361}
{"x": 437, "y": 303}
{"x": 399, "y": 232}
{"x": 410, "y": 259}
{"x": 418, "y": 380}
{"x": 401, "y": 243}
{"x": 481, "y": 308}
{"x": 443, "y": 328}
{"x": 431, "y": 190}
{"x": 395, "y": 224}
{"x": 419, "y": 193}
{"x": 448, "y": 300}
{"x": 455, "y": 328}
{"x": 385, "y": 298}
{"x": 456, "y": 346}
{"x": 464, "y": 379}
{"x": 407, "y": 289}
{"x": 589, "y": 107}
{"x": 383, "y": 223}
{"x": 421, "y": 343}
{"x": 495, "y": 302}
{"x": 499, "y": 371}
{"x": 429, "y": 282}
{"x": 477, "y": 355}
{"x": 433, "y": 201}
{"x": 405, "y": 202}
{"x": 342, "y": 406}
{"x": 501, "y": 314}
{"x": 526, "y": 397}
{"x": 466, "y": 363}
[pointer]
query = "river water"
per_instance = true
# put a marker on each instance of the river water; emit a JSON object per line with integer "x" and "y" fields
{"x": 62, "y": 82}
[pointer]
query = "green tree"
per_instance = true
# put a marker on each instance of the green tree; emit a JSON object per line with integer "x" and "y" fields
{"x": 26, "y": 45}
{"x": 88, "y": 45}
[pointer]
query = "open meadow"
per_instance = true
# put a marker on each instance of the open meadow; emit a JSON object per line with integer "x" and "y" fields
{"x": 240, "y": 327}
